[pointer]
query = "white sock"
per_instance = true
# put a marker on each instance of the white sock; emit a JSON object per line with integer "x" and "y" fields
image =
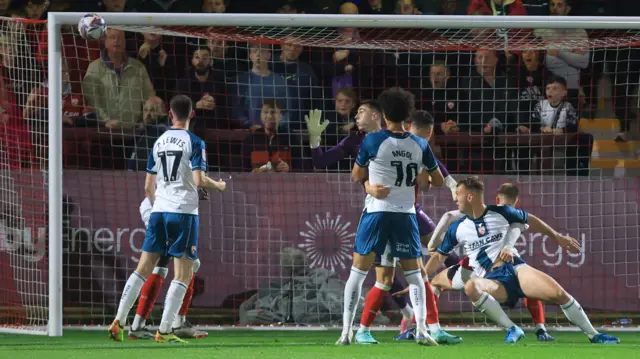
{"x": 138, "y": 323}
{"x": 573, "y": 311}
{"x": 541, "y": 326}
{"x": 363, "y": 329}
{"x": 161, "y": 271}
{"x": 434, "y": 328}
{"x": 179, "y": 321}
{"x": 352, "y": 293}
{"x": 407, "y": 312}
{"x": 490, "y": 306}
{"x": 172, "y": 305}
{"x": 436, "y": 291}
{"x": 130, "y": 293}
{"x": 418, "y": 296}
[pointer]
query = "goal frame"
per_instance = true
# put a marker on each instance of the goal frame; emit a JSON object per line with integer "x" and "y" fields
{"x": 57, "y": 19}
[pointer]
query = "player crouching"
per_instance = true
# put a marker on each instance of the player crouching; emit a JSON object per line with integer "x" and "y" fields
{"x": 150, "y": 290}
{"x": 502, "y": 277}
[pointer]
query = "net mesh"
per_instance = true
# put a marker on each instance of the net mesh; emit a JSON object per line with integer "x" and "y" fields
{"x": 276, "y": 247}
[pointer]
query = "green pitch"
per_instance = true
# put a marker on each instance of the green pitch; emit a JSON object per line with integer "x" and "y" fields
{"x": 309, "y": 345}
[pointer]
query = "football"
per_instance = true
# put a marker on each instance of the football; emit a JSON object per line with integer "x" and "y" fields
{"x": 92, "y": 27}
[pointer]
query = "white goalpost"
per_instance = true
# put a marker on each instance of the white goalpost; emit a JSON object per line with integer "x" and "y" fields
{"x": 551, "y": 193}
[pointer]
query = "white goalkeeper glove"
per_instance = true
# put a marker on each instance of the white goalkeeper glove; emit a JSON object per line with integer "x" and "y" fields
{"x": 451, "y": 183}
{"x": 315, "y": 127}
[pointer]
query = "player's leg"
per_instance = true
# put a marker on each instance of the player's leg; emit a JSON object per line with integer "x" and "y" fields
{"x": 385, "y": 266}
{"x": 148, "y": 296}
{"x": 152, "y": 247}
{"x": 538, "y": 285}
{"x": 406, "y": 246}
{"x": 371, "y": 238}
{"x": 182, "y": 231}
{"x": 537, "y": 314}
{"x": 181, "y": 327}
{"x": 486, "y": 295}
{"x": 426, "y": 228}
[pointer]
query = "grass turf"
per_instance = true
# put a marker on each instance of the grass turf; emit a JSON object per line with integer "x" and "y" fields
{"x": 311, "y": 345}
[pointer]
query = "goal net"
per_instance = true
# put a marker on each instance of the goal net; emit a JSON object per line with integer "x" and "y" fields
{"x": 537, "y": 103}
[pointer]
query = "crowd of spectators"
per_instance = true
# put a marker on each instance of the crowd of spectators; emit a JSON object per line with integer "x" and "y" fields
{"x": 251, "y": 98}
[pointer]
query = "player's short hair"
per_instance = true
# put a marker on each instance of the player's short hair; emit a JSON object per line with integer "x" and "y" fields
{"x": 472, "y": 183}
{"x": 272, "y": 103}
{"x": 553, "y": 79}
{"x": 509, "y": 191}
{"x": 396, "y": 104}
{"x": 422, "y": 120}
{"x": 373, "y": 105}
{"x": 181, "y": 106}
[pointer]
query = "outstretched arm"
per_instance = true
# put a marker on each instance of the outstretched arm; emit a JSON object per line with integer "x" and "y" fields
{"x": 346, "y": 147}
{"x": 443, "y": 225}
{"x": 539, "y": 226}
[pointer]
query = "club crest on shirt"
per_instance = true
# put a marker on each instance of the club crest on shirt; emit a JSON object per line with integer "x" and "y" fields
{"x": 193, "y": 249}
{"x": 481, "y": 229}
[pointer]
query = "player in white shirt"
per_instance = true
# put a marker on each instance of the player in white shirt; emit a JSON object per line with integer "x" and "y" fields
{"x": 500, "y": 276}
{"x": 400, "y": 160}
{"x": 175, "y": 170}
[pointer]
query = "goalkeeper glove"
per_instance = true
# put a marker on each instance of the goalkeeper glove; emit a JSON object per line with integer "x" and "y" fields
{"x": 314, "y": 127}
{"x": 451, "y": 183}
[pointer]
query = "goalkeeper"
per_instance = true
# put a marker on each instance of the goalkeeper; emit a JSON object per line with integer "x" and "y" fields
{"x": 369, "y": 119}
{"x": 151, "y": 288}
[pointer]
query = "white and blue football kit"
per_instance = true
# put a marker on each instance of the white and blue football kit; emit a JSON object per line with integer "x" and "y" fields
{"x": 394, "y": 160}
{"x": 483, "y": 239}
{"x": 173, "y": 225}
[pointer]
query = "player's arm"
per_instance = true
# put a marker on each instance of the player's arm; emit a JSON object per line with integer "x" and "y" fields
{"x": 509, "y": 241}
{"x": 150, "y": 179}
{"x": 539, "y": 226}
{"x": 376, "y": 190}
{"x": 199, "y": 166}
{"x": 436, "y": 260}
{"x": 431, "y": 165}
{"x": 438, "y": 233}
{"x": 360, "y": 170}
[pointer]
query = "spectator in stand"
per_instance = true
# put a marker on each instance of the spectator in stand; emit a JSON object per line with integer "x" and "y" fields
{"x": 553, "y": 115}
{"x": 258, "y": 84}
{"x": 443, "y": 7}
{"x": 268, "y": 149}
{"x": 444, "y": 102}
{"x": 4, "y": 7}
{"x": 536, "y": 7}
{"x": 342, "y": 119}
{"x": 214, "y": 6}
{"x": 209, "y": 95}
{"x": 154, "y": 123}
{"x": 117, "y": 86}
{"x": 225, "y": 66}
{"x": 563, "y": 62}
{"x": 160, "y": 65}
{"x": 300, "y": 76}
{"x": 496, "y": 7}
{"x": 35, "y": 9}
{"x": 407, "y": 7}
{"x": 531, "y": 77}
{"x": 493, "y": 104}
{"x": 445, "y": 105}
{"x": 15, "y": 139}
{"x": 290, "y": 7}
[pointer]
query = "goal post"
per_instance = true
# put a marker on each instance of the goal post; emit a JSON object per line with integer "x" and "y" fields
{"x": 237, "y": 240}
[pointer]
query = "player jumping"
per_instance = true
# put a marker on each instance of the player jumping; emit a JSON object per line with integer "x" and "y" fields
{"x": 501, "y": 276}
{"x": 422, "y": 126}
{"x": 150, "y": 290}
{"x": 368, "y": 120}
{"x": 180, "y": 157}
{"x": 456, "y": 276}
{"x": 397, "y": 159}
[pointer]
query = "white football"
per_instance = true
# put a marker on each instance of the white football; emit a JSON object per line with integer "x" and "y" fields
{"x": 92, "y": 27}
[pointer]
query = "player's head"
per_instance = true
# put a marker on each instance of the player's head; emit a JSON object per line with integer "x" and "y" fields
{"x": 469, "y": 192}
{"x": 556, "y": 89}
{"x": 422, "y": 124}
{"x": 369, "y": 116}
{"x": 181, "y": 110}
{"x": 508, "y": 194}
{"x": 271, "y": 115}
{"x": 396, "y": 105}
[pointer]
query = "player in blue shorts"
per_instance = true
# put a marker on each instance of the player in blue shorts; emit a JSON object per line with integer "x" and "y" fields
{"x": 368, "y": 120}
{"x": 398, "y": 159}
{"x": 175, "y": 170}
{"x": 488, "y": 234}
